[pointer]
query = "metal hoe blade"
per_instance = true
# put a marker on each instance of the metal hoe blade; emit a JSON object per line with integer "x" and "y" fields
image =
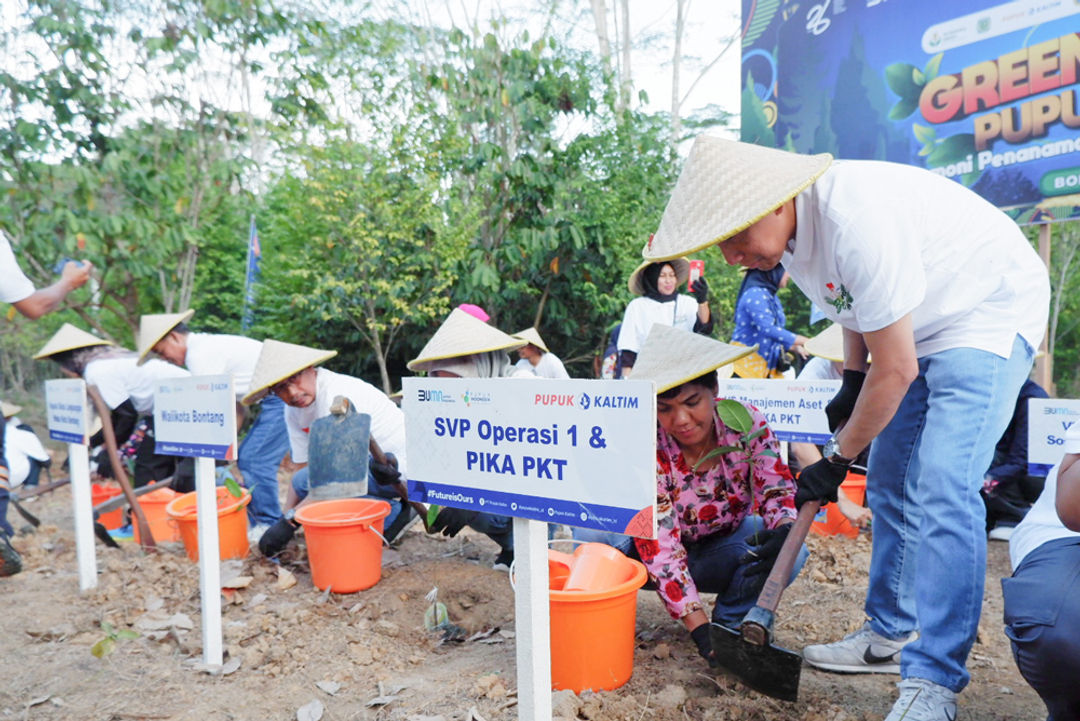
{"x": 767, "y": 669}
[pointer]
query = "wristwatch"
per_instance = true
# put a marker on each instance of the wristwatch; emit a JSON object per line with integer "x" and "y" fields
{"x": 831, "y": 452}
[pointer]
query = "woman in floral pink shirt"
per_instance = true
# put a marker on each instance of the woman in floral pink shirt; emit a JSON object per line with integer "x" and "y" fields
{"x": 722, "y": 516}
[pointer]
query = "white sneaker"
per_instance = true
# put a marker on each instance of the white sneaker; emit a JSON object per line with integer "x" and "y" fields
{"x": 255, "y": 533}
{"x": 1001, "y": 533}
{"x": 864, "y": 651}
{"x": 922, "y": 700}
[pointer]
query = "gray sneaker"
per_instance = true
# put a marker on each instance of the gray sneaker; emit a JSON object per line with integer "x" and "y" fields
{"x": 864, "y": 651}
{"x": 922, "y": 700}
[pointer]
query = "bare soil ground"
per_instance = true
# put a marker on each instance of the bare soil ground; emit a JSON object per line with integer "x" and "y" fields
{"x": 368, "y": 656}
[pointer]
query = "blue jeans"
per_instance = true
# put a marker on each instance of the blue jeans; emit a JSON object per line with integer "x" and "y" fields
{"x": 714, "y": 565}
{"x": 928, "y": 563}
{"x": 498, "y": 528}
{"x": 301, "y": 484}
{"x": 259, "y": 456}
{"x": 1042, "y": 615}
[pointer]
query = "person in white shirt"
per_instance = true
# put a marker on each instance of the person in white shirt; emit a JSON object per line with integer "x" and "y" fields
{"x": 537, "y": 358}
{"x": 289, "y": 371}
{"x": 950, "y": 298}
{"x": 127, "y": 389}
{"x": 1042, "y": 598}
{"x": 25, "y": 454}
{"x": 17, "y": 289}
{"x": 206, "y": 354}
{"x": 660, "y": 302}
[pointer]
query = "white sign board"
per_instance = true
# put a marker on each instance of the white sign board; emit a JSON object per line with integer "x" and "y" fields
{"x": 65, "y": 408}
{"x": 579, "y": 452}
{"x": 1048, "y": 419}
{"x": 794, "y": 409}
{"x": 195, "y": 417}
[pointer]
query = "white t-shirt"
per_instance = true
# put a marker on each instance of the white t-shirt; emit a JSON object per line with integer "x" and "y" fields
{"x": 212, "y": 354}
{"x": 820, "y": 369}
{"x": 643, "y": 313}
{"x": 875, "y": 241}
{"x": 1041, "y": 524}
{"x": 549, "y": 367}
{"x": 387, "y": 420}
{"x": 118, "y": 379}
{"x": 19, "y": 447}
{"x": 14, "y": 285}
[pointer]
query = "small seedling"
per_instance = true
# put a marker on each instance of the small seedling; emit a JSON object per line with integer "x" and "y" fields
{"x": 105, "y": 646}
{"x": 233, "y": 487}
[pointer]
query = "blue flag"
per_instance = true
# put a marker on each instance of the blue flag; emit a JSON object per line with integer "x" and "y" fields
{"x": 254, "y": 255}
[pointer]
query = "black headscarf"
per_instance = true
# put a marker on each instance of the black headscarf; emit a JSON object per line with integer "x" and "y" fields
{"x": 649, "y": 278}
{"x": 767, "y": 279}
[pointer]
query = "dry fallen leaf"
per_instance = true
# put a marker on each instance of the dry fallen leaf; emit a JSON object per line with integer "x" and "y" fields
{"x": 237, "y": 582}
{"x": 285, "y": 579}
{"x": 330, "y": 687}
{"x": 662, "y": 651}
{"x": 311, "y": 711}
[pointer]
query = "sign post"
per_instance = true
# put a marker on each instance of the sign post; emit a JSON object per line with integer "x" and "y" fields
{"x": 196, "y": 417}
{"x": 794, "y": 409}
{"x": 579, "y": 452}
{"x": 1048, "y": 420}
{"x": 65, "y": 401}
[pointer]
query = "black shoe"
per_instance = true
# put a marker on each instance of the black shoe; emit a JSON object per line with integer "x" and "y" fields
{"x": 10, "y": 560}
{"x": 503, "y": 560}
{"x": 405, "y": 518}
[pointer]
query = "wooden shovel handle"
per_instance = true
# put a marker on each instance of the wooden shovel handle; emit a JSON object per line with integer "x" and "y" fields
{"x": 785, "y": 560}
{"x": 146, "y": 538}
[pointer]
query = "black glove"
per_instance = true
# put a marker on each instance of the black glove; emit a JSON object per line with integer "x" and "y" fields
{"x": 700, "y": 290}
{"x": 704, "y": 645}
{"x": 451, "y": 520}
{"x": 819, "y": 481}
{"x": 386, "y": 474}
{"x": 843, "y": 403}
{"x": 277, "y": 537}
{"x": 764, "y": 548}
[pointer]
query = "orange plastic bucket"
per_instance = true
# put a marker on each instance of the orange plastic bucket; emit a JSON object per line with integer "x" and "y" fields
{"x": 232, "y": 523}
{"x": 344, "y": 542}
{"x": 829, "y": 521}
{"x": 592, "y": 632}
{"x": 99, "y": 494}
{"x": 595, "y": 567}
{"x": 153, "y": 505}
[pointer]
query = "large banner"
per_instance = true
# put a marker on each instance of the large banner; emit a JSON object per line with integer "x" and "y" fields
{"x": 985, "y": 94}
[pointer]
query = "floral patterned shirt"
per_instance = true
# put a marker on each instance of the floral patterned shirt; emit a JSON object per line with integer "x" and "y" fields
{"x": 691, "y": 506}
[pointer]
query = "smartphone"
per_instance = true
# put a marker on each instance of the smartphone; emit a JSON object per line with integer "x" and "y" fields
{"x": 697, "y": 269}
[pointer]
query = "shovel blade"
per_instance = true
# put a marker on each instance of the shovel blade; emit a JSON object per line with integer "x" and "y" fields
{"x": 770, "y": 670}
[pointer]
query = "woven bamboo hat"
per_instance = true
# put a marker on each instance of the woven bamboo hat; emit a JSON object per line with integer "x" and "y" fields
{"x": 828, "y": 344}
{"x": 532, "y": 335}
{"x": 724, "y": 188}
{"x": 153, "y": 328}
{"x": 279, "y": 360}
{"x": 670, "y": 357}
{"x": 461, "y": 334}
{"x": 9, "y": 409}
{"x": 681, "y": 266}
{"x": 69, "y": 338}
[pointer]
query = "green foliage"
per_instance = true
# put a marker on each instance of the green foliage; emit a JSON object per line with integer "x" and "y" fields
{"x": 908, "y": 81}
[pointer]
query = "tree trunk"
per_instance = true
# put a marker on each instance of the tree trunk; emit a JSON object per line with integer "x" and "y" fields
{"x": 599, "y": 11}
{"x": 676, "y": 102}
{"x": 626, "y": 79}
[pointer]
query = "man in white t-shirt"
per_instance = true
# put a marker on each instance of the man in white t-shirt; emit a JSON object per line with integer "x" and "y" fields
{"x": 289, "y": 372}
{"x": 205, "y": 354}
{"x": 537, "y": 358}
{"x": 950, "y": 298}
{"x": 17, "y": 289}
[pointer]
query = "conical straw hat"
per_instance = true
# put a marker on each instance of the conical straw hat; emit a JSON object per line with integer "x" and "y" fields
{"x": 828, "y": 344}
{"x": 681, "y": 266}
{"x": 279, "y": 360}
{"x": 153, "y": 328}
{"x": 69, "y": 338}
{"x": 461, "y": 334}
{"x": 533, "y": 336}
{"x": 724, "y": 188}
{"x": 9, "y": 409}
{"x": 670, "y": 357}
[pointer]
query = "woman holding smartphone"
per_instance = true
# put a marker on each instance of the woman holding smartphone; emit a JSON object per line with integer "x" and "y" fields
{"x": 660, "y": 302}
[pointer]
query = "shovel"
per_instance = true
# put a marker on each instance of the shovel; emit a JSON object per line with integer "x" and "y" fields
{"x": 749, "y": 653}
